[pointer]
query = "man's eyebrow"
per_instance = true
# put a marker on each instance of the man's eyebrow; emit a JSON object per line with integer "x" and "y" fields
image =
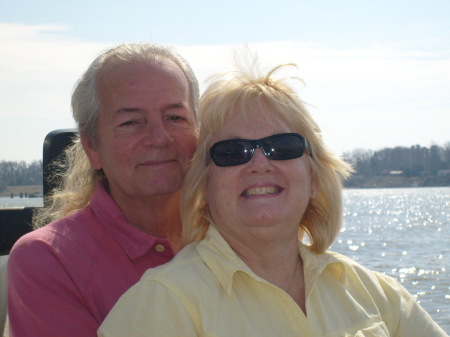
{"x": 125, "y": 110}
{"x": 180, "y": 105}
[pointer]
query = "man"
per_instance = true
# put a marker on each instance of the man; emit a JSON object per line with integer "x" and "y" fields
{"x": 117, "y": 213}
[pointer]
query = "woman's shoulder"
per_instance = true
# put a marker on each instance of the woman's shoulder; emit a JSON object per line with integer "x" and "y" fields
{"x": 186, "y": 275}
{"x": 348, "y": 262}
{"x": 185, "y": 264}
{"x": 357, "y": 271}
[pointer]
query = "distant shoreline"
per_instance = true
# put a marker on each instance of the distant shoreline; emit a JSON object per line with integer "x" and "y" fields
{"x": 28, "y": 190}
{"x": 390, "y": 181}
{"x": 354, "y": 182}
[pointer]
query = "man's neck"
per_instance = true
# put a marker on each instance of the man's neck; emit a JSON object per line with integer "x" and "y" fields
{"x": 156, "y": 216}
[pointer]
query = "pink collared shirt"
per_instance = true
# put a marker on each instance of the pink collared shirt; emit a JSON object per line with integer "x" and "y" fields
{"x": 64, "y": 278}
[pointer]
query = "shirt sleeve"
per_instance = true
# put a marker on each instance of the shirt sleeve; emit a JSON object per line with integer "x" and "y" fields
{"x": 43, "y": 300}
{"x": 149, "y": 309}
{"x": 405, "y": 316}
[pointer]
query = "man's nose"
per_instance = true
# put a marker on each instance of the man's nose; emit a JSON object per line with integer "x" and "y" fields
{"x": 156, "y": 135}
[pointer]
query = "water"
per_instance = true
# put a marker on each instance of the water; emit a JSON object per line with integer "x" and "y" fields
{"x": 404, "y": 233}
{"x": 20, "y": 202}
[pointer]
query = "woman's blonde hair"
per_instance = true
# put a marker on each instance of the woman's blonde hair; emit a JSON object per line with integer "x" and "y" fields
{"x": 75, "y": 175}
{"x": 238, "y": 90}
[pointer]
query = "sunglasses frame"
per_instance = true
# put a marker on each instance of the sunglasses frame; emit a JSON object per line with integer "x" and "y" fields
{"x": 258, "y": 143}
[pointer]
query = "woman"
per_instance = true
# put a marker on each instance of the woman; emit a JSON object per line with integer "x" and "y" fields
{"x": 260, "y": 181}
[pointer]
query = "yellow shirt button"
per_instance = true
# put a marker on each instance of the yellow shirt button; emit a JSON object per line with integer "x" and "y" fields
{"x": 160, "y": 248}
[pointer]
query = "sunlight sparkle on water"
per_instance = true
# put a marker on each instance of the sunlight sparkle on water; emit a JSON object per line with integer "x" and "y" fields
{"x": 404, "y": 233}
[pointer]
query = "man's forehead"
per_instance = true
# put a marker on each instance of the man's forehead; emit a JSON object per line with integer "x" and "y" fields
{"x": 170, "y": 106}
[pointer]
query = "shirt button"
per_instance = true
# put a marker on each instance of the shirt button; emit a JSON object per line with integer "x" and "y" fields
{"x": 160, "y": 248}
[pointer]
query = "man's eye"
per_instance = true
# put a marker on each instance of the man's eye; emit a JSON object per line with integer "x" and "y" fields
{"x": 176, "y": 118}
{"x": 129, "y": 123}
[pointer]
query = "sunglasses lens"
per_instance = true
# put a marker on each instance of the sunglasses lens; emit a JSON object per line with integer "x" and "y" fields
{"x": 284, "y": 147}
{"x": 239, "y": 151}
{"x": 230, "y": 153}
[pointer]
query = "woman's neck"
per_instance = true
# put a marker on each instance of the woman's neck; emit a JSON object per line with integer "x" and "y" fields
{"x": 277, "y": 263}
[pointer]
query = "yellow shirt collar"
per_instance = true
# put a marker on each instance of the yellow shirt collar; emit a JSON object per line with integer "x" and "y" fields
{"x": 224, "y": 262}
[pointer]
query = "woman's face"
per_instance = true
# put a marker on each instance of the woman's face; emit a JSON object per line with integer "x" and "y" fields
{"x": 262, "y": 198}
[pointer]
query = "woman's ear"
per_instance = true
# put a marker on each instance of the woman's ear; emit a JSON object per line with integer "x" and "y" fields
{"x": 314, "y": 184}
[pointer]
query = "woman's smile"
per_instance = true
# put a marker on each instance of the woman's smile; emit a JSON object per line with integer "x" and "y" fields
{"x": 261, "y": 191}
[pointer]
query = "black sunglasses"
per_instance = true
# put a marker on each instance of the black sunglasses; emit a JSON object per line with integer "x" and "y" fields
{"x": 282, "y": 146}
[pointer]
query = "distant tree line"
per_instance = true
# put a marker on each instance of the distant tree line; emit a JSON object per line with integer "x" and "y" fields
{"x": 411, "y": 161}
{"x": 14, "y": 173}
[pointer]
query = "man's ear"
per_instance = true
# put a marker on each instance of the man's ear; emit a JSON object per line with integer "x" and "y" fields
{"x": 91, "y": 151}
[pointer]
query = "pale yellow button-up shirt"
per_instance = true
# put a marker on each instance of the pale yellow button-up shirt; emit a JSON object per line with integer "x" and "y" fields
{"x": 207, "y": 290}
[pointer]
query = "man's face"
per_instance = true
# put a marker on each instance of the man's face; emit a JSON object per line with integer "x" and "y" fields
{"x": 145, "y": 130}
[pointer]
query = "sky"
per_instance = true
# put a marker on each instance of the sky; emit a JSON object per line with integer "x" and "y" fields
{"x": 376, "y": 73}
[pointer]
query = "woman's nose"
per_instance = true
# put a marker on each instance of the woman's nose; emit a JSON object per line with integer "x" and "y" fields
{"x": 259, "y": 162}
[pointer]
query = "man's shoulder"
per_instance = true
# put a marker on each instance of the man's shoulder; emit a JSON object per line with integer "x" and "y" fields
{"x": 75, "y": 231}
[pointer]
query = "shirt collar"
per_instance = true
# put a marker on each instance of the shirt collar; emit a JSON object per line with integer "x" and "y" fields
{"x": 135, "y": 242}
{"x": 222, "y": 259}
{"x": 314, "y": 264}
{"x": 224, "y": 262}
